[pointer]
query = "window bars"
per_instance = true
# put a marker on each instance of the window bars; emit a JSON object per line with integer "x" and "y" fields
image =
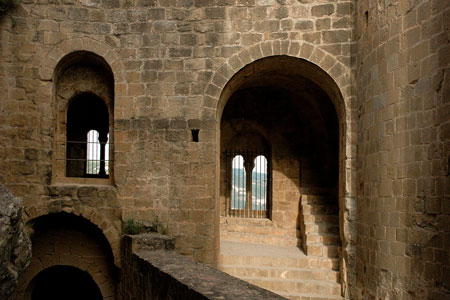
{"x": 95, "y": 165}
{"x": 247, "y": 180}
{"x": 88, "y": 158}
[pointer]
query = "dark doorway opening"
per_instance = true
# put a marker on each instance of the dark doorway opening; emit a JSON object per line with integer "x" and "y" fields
{"x": 65, "y": 282}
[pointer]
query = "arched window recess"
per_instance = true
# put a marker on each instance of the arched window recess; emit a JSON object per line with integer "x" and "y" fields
{"x": 84, "y": 100}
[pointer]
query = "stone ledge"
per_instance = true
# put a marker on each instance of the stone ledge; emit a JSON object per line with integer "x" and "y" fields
{"x": 152, "y": 270}
{"x": 148, "y": 242}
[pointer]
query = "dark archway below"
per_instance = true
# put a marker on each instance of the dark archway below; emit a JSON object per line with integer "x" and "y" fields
{"x": 65, "y": 282}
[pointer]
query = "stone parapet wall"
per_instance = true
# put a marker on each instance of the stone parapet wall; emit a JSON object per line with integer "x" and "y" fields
{"x": 152, "y": 270}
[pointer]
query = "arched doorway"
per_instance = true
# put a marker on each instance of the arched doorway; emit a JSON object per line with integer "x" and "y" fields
{"x": 66, "y": 250}
{"x": 289, "y": 109}
{"x": 64, "y": 282}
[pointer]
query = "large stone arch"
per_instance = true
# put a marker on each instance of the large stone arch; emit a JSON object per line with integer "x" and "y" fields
{"x": 336, "y": 83}
{"x": 91, "y": 214}
{"x": 46, "y": 255}
{"x": 338, "y": 72}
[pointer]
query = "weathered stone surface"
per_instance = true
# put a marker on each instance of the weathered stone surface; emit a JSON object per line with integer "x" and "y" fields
{"x": 152, "y": 270}
{"x": 15, "y": 244}
{"x": 404, "y": 159}
{"x": 162, "y": 63}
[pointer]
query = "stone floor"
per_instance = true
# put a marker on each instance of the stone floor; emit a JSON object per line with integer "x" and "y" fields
{"x": 285, "y": 270}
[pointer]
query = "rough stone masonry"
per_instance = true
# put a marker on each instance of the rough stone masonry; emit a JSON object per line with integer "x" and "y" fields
{"x": 355, "y": 97}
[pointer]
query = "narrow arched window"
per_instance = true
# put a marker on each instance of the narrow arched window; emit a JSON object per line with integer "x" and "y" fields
{"x": 238, "y": 183}
{"x": 259, "y": 184}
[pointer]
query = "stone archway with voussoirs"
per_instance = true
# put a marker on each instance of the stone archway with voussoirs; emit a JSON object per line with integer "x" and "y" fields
{"x": 55, "y": 55}
{"x": 59, "y": 51}
{"x": 71, "y": 240}
{"x": 335, "y": 79}
{"x": 111, "y": 233}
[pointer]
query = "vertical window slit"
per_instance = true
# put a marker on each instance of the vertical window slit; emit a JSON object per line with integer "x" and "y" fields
{"x": 195, "y": 135}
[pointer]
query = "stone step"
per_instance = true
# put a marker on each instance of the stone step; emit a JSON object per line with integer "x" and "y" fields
{"x": 296, "y": 286}
{"x": 307, "y": 296}
{"x": 260, "y": 238}
{"x": 319, "y": 195}
{"x": 318, "y": 219}
{"x": 330, "y": 251}
{"x": 259, "y": 230}
{"x": 282, "y": 273}
{"x": 304, "y": 262}
{"x": 322, "y": 228}
{"x": 283, "y": 270}
{"x": 321, "y": 239}
{"x": 319, "y": 209}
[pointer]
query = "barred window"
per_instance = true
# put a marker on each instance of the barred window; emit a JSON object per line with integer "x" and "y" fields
{"x": 259, "y": 184}
{"x": 238, "y": 183}
{"x": 87, "y": 145}
{"x": 95, "y": 165}
{"x": 248, "y": 174}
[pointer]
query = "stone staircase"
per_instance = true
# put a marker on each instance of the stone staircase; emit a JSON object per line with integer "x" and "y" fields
{"x": 320, "y": 228}
{"x": 285, "y": 270}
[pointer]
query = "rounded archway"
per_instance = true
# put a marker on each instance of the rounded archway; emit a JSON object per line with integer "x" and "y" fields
{"x": 84, "y": 100}
{"x": 299, "y": 110}
{"x": 67, "y": 246}
{"x": 64, "y": 282}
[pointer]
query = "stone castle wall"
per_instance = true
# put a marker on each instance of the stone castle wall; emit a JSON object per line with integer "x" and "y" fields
{"x": 403, "y": 81}
{"x": 170, "y": 60}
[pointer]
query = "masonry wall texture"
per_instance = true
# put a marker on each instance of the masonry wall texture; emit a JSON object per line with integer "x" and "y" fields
{"x": 153, "y": 270}
{"x": 403, "y": 149}
{"x": 163, "y": 56}
{"x": 166, "y": 67}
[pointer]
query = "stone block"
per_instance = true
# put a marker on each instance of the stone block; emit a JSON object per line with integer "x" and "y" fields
{"x": 336, "y": 36}
{"x": 304, "y": 25}
{"x": 322, "y": 10}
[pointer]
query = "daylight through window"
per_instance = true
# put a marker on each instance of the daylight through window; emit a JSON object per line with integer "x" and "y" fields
{"x": 249, "y": 184}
